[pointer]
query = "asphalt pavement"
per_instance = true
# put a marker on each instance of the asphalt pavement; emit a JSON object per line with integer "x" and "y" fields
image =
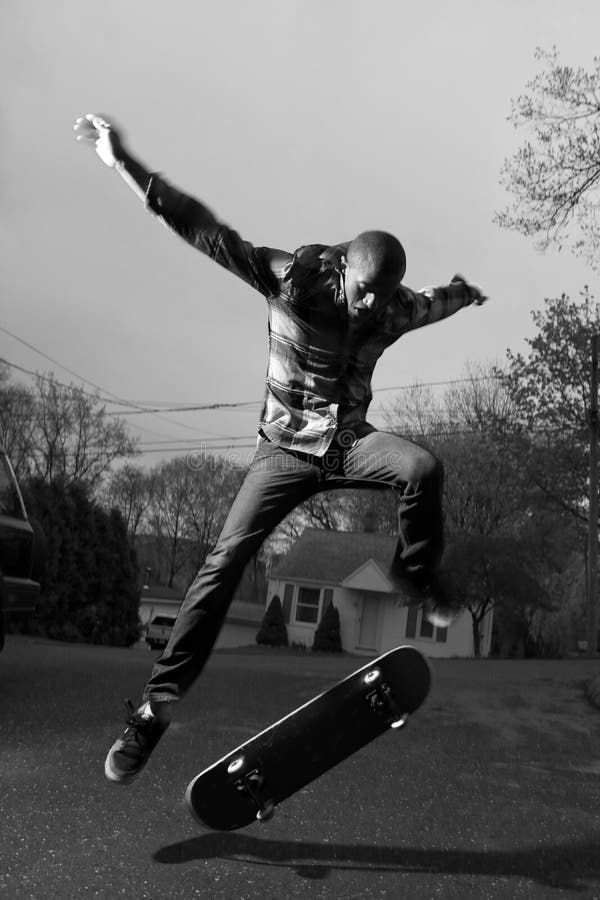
{"x": 492, "y": 790}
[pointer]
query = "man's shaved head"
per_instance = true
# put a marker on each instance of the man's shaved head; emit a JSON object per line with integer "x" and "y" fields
{"x": 375, "y": 266}
{"x": 377, "y": 254}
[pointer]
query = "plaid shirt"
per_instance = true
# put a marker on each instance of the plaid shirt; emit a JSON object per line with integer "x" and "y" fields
{"x": 320, "y": 364}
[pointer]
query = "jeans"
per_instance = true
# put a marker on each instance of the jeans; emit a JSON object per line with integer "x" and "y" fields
{"x": 277, "y": 481}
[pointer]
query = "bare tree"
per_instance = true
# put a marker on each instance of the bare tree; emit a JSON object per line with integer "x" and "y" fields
{"x": 188, "y": 501}
{"x": 326, "y": 511}
{"x": 555, "y": 177}
{"x": 172, "y": 486}
{"x": 416, "y": 413}
{"x": 479, "y": 403}
{"x": 72, "y": 437}
{"x": 17, "y": 416}
{"x": 130, "y": 489}
{"x": 466, "y": 429}
{"x": 212, "y": 484}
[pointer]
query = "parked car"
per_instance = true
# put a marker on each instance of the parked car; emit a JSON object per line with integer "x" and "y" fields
{"x": 21, "y": 549}
{"x": 159, "y": 631}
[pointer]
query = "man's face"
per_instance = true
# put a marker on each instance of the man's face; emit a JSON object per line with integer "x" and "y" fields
{"x": 367, "y": 291}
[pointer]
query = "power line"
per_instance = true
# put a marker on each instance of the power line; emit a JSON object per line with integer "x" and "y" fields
{"x": 231, "y": 406}
{"x": 221, "y": 438}
{"x": 419, "y": 384}
{"x": 247, "y": 403}
{"x": 68, "y": 387}
{"x": 423, "y": 436}
{"x": 174, "y": 406}
{"x": 197, "y": 408}
{"x": 138, "y": 409}
{"x": 200, "y": 448}
{"x": 112, "y": 398}
{"x": 75, "y": 390}
{"x": 141, "y": 409}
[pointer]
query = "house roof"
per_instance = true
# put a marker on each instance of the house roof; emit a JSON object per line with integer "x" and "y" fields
{"x": 331, "y": 556}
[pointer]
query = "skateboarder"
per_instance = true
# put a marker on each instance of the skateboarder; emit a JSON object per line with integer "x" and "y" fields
{"x": 333, "y": 310}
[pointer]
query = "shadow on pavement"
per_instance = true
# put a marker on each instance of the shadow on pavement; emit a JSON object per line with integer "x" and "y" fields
{"x": 565, "y": 865}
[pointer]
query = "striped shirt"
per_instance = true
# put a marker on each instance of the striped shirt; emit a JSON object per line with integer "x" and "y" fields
{"x": 320, "y": 365}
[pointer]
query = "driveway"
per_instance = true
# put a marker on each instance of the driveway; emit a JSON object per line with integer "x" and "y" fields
{"x": 492, "y": 791}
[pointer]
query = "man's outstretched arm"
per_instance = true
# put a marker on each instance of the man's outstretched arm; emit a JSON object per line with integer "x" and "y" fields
{"x": 436, "y": 303}
{"x": 261, "y": 267}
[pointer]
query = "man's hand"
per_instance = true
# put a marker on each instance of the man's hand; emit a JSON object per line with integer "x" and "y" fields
{"x": 102, "y": 136}
{"x": 476, "y": 292}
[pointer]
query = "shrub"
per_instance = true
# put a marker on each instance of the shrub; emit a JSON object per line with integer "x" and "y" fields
{"x": 273, "y": 632}
{"x": 327, "y": 635}
{"x": 89, "y": 589}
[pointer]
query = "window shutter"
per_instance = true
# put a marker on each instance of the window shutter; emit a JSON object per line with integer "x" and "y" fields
{"x": 288, "y": 596}
{"x": 411, "y": 620}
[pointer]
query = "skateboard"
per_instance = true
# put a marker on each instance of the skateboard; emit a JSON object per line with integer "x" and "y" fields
{"x": 250, "y": 781}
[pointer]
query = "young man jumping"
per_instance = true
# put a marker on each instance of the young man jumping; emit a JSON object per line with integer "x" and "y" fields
{"x": 332, "y": 310}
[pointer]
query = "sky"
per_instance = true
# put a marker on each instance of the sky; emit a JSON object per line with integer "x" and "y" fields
{"x": 296, "y": 121}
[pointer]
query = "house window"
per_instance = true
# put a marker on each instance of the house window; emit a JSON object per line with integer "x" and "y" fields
{"x": 415, "y": 621}
{"x": 307, "y": 607}
{"x": 426, "y": 628}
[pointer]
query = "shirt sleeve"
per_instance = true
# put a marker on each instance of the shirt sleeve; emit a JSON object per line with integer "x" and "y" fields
{"x": 263, "y": 268}
{"x": 433, "y": 304}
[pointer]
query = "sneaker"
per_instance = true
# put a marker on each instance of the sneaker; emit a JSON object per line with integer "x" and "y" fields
{"x": 438, "y": 614}
{"x": 440, "y": 608}
{"x": 128, "y": 756}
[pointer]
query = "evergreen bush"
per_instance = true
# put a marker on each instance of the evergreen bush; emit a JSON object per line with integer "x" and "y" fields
{"x": 327, "y": 636}
{"x": 89, "y": 588}
{"x": 273, "y": 632}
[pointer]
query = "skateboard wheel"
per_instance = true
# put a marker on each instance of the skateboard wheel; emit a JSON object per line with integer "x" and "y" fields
{"x": 399, "y": 723}
{"x": 236, "y": 766}
{"x": 267, "y": 812}
{"x": 372, "y": 676}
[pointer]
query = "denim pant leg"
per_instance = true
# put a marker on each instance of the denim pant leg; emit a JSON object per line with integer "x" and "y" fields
{"x": 276, "y": 482}
{"x": 382, "y": 459}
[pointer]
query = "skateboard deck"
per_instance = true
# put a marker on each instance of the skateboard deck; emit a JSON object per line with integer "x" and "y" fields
{"x": 250, "y": 781}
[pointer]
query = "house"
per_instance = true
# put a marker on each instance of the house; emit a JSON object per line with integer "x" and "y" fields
{"x": 240, "y": 628}
{"x": 354, "y": 572}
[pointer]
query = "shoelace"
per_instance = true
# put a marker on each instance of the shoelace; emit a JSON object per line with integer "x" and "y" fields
{"x": 130, "y": 710}
{"x": 137, "y": 725}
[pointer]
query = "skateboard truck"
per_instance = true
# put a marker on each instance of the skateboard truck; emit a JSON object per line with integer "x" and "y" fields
{"x": 381, "y": 700}
{"x": 251, "y": 783}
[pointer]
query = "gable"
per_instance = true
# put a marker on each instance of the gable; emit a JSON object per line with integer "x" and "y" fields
{"x": 368, "y": 577}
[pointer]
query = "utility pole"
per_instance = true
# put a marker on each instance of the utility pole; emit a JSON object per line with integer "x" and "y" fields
{"x": 592, "y": 630}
